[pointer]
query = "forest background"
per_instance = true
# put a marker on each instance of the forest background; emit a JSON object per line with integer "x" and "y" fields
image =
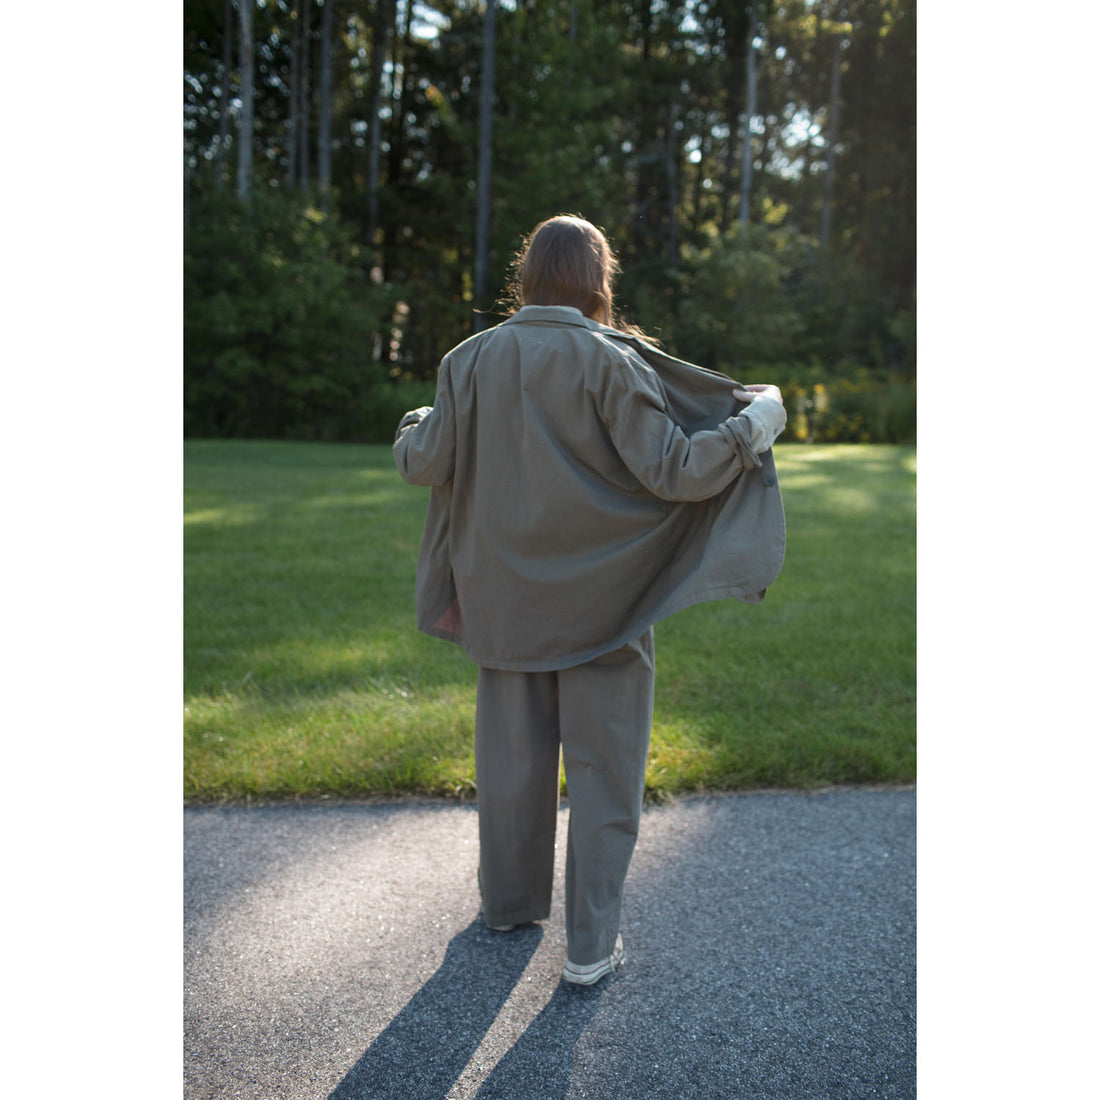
{"x": 358, "y": 178}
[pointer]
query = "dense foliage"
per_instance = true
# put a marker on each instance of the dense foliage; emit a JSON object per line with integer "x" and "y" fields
{"x": 325, "y": 279}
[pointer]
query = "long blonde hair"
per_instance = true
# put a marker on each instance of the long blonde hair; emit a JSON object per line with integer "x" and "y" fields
{"x": 567, "y": 261}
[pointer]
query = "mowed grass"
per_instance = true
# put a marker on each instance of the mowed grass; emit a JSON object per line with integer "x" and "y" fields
{"x": 305, "y": 675}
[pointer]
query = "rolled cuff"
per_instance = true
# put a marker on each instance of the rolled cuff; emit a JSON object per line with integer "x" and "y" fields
{"x": 412, "y": 417}
{"x": 739, "y": 430}
{"x": 767, "y": 418}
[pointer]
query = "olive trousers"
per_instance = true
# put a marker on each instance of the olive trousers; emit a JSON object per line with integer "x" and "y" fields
{"x": 598, "y": 716}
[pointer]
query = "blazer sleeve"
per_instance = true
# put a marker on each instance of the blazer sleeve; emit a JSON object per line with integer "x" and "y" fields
{"x": 769, "y": 418}
{"x": 424, "y": 450}
{"x": 668, "y": 462}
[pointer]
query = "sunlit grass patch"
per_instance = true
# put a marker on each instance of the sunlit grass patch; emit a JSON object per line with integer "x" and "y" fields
{"x": 385, "y": 739}
{"x": 305, "y": 675}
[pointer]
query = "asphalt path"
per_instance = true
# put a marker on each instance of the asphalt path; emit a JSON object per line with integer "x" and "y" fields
{"x": 334, "y": 951}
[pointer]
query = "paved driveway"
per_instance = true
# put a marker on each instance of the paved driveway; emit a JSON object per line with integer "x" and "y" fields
{"x": 334, "y": 951}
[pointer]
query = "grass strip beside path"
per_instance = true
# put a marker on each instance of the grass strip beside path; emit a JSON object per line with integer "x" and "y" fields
{"x": 306, "y": 677}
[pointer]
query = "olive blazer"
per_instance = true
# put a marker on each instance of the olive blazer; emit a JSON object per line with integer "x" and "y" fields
{"x": 583, "y": 486}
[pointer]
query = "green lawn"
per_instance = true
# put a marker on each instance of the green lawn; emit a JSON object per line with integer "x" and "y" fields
{"x": 305, "y": 675}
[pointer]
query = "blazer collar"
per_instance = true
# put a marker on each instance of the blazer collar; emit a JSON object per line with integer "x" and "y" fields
{"x": 564, "y": 315}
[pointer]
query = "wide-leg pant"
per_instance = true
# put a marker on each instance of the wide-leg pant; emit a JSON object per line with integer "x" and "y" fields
{"x": 599, "y": 714}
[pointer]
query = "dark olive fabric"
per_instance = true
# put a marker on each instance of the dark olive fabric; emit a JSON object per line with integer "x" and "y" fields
{"x": 597, "y": 716}
{"x": 584, "y": 486}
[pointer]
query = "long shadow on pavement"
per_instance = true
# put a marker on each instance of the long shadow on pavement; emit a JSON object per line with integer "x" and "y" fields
{"x": 430, "y": 1041}
{"x": 541, "y": 1062}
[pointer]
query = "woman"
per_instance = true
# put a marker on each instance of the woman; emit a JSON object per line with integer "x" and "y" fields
{"x": 584, "y": 486}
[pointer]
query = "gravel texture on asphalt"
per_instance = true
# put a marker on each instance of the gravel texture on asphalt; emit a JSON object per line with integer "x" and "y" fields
{"x": 334, "y": 951}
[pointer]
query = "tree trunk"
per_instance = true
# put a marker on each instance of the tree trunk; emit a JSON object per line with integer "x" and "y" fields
{"x": 223, "y": 95}
{"x": 244, "y": 153}
{"x": 292, "y": 117}
{"x": 810, "y": 106}
{"x": 324, "y": 129}
{"x": 750, "y": 112}
{"x": 727, "y": 174}
{"x": 484, "y": 163}
{"x": 186, "y": 190}
{"x": 645, "y": 139}
{"x": 385, "y": 14}
{"x": 830, "y": 154}
{"x": 402, "y": 46}
{"x": 697, "y": 183}
{"x": 671, "y": 166}
{"x": 402, "y": 37}
{"x": 303, "y": 93}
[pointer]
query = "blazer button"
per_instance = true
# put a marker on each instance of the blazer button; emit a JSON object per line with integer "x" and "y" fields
{"x": 770, "y": 479}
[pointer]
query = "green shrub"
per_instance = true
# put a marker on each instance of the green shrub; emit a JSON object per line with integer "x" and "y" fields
{"x": 760, "y": 306}
{"x": 857, "y": 408}
{"x": 388, "y": 401}
{"x": 280, "y": 326}
{"x": 286, "y": 337}
{"x": 729, "y": 306}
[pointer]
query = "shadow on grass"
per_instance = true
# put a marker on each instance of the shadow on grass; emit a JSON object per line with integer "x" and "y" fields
{"x": 430, "y": 1041}
{"x": 300, "y": 565}
{"x": 288, "y": 479}
{"x": 300, "y": 621}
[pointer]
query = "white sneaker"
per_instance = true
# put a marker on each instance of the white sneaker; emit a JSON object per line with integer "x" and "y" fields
{"x": 589, "y": 973}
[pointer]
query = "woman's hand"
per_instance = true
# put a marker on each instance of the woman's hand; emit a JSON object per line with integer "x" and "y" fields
{"x": 749, "y": 394}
